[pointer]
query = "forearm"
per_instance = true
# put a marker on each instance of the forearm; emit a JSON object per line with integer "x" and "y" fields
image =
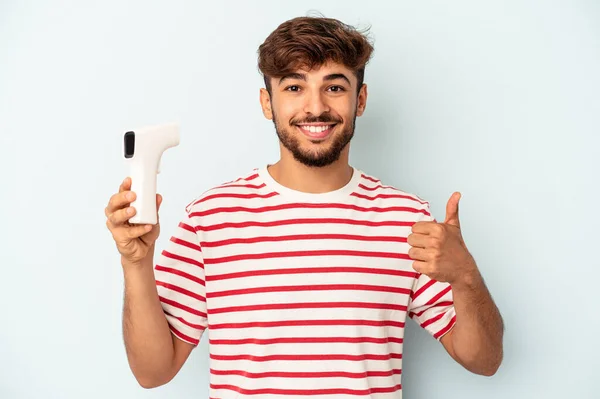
{"x": 477, "y": 335}
{"x": 148, "y": 340}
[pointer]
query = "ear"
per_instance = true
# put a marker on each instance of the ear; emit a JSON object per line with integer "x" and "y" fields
{"x": 265, "y": 103}
{"x": 362, "y": 100}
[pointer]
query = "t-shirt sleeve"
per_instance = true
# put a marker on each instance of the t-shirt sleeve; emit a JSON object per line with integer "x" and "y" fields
{"x": 180, "y": 281}
{"x": 431, "y": 303}
{"x": 431, "y": 306}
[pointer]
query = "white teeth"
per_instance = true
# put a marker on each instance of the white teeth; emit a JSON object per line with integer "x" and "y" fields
{"x": 315, "y": 129}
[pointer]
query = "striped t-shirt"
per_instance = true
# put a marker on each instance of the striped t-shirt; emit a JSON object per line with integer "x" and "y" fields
{"x": 301, "y": 294}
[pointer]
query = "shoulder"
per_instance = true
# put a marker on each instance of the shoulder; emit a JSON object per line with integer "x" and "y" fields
{"x": 240, "y": 186}
{"x": 372, "y": 188}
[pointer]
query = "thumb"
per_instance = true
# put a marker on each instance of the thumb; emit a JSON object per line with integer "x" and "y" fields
{"x": 159, "y": 199}
{"x": 452, "y": 210}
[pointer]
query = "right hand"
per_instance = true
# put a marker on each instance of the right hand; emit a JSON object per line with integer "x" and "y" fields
{"x": 134, "y": 242}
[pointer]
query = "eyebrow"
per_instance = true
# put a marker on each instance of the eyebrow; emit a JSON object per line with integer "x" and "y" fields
{"x": 298, "y": 76}
{"x": 301, "y": 76}
{"x": 335, "y": 76}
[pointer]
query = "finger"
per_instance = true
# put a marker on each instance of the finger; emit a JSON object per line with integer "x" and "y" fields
{"x": 158, "y": 202}
{"x": 121, "y": 216}
{"x": 125, "y": 185}
{"x": 419, "y": 240}
{"x": 424, "y": 227}
{"x": 137, "y": 231}
{"x": 120, "y": 201}
{"x": 419, "y": 266}
{"x": 420, "y": 254}
{"x": 452, "y": 210}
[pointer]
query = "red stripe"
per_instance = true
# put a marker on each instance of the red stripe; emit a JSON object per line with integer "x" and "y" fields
{"x": 416, "y": 294}
{"x": 432, "y": 320}
{"x": 185, "y": 337}
{"x": 177, "y": 288}
{"x": 312, "y": 270}
{"x": 439, "y": 304}
{"x": 182, "y": 259}
{"x": 446, "y": 329}
{"x": 384, "y": 196}
{"x": 187, "y": 227}
{"x": 295, "y": 323}
{"x": 316, "y": 287}
{"x": 299, "y": 358}
{"x": 182, "y": 307}
{"x": 233, "y": 184}
{"x": 308, "y": 305}
{"x": 305, "y": 206}
{"x": 187, "y": 323}
{"x": 323, "y": 374}
{"x": 305, "y": 340}
{"x": 253, "y": 240}
{"x": 184, "y": 243}
{"x": 326, "y": 252}
{"x": 439, "y": 295}
{"x": 383, "y": 186}
{"x": 180, "y": 273}
{"x": 333, "y": 391}
{"x": 305, "y": 221}
{"x": 234, "y": 195}
{"x": 370, "y": 178}
{"x": 247, "y": 178}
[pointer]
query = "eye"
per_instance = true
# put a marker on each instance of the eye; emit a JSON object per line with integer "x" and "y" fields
{"x": 336, "y": 89}
{"x": 292, "y": 88}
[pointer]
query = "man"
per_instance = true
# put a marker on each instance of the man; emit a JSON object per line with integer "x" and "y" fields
{"x": 303, "y": 272}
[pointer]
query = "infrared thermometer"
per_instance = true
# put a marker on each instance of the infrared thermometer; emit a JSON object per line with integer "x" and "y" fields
{"x": 143, "y": 149}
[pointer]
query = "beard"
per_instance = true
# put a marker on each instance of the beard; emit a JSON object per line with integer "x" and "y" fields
{"x": 319, "y": 157}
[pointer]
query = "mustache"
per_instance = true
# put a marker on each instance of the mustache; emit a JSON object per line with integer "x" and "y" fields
{"x": 324, "y": 118}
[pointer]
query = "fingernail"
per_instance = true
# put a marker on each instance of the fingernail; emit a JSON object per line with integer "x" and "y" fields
{"x": 129, "y": 196}
{"x": 130, "y": 210}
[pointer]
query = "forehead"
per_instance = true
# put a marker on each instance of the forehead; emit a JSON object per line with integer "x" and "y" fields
{"x": 320, "y": 72}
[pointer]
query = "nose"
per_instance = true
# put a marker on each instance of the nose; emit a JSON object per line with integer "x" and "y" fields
{"x": 315, "y": 104}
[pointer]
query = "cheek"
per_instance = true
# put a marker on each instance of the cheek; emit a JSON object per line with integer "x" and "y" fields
{"x": 345, "y": 109}
{"x": 289, "y": 110}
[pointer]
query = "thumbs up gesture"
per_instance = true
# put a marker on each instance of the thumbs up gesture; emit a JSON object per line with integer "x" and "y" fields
{"x": 439, "y": 250}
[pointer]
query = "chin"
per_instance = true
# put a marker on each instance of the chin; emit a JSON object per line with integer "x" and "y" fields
{"x": 314, "y": 145}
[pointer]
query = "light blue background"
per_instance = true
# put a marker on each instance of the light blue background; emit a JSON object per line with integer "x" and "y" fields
{"x": 496, "y": 99}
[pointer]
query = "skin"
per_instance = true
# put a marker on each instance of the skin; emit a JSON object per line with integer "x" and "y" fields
{"x": 324, "y": 95}
{"x": 440, "y": 252}
{"x": 155, "y": 356}
{"x": 329, "y": 94}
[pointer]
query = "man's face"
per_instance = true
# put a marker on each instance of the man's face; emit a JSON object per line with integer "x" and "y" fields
{"x": 314, "y": 112}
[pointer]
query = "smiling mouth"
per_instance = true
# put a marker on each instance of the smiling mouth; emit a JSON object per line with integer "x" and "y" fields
{"x": 316, "y": 130}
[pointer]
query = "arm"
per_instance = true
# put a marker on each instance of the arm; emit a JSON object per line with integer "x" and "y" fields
{"x": 440, "y": 253}
{"x": 155, "y": 356}
{"x": 476, "y": 339}
{"x": 160, "y": 302}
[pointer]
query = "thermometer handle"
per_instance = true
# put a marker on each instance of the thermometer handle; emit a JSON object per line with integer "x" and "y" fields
{"x": 143, "y": 184}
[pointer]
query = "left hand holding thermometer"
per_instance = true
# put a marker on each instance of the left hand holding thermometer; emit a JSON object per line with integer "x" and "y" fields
{"x": 143, "y": 149}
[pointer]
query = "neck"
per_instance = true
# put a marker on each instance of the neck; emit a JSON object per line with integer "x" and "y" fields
{"x": 315, "y": 180}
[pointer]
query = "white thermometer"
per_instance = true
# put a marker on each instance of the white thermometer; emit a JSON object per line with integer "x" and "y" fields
{"x": 143, "y": 149}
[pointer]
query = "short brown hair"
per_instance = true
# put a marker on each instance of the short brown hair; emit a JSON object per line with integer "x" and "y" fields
{"x": 312, "y": 41}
